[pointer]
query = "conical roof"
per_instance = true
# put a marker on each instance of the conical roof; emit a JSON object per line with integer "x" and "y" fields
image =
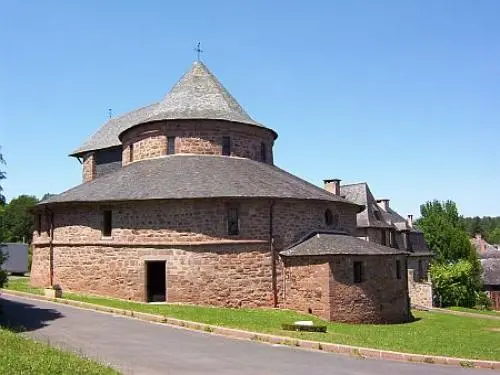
{"x": 197, "y": 95}
{"x": 200, "y": 95}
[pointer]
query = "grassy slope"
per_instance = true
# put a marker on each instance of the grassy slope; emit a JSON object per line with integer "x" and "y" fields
{"x": 432, "y": 333}
{"x": 24, "y": 356}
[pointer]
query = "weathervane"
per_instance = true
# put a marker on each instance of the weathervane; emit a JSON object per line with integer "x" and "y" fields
{"x": 198, "y": 50}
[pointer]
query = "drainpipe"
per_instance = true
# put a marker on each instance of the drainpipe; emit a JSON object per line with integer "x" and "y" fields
{"x": 273, "y": 256}
{"x": 51, "y": 246}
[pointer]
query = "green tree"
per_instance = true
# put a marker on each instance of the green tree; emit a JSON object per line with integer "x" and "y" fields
{"x": 456, "y": 270}
{"x": 444, "y": 231}
{"x": 2, "y": 177}
{"x": 494, "y": 236}
{"x": 17, "y": 220}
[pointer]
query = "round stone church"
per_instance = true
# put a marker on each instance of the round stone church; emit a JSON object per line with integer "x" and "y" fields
{"x": 181, "y": 202}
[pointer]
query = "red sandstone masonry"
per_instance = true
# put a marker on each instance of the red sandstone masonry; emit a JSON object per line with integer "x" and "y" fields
{"x": 191, "y": 236}
{"x": 88, "y": 171}
{"x": 202, "y": 137}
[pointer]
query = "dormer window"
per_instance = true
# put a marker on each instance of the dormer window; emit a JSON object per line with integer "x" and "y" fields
{"x": 226, "y": 146}
{"x": 377, "y": 215}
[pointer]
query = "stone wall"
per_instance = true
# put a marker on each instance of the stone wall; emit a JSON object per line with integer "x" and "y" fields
{"x": 420, "y": 291}
{"x": 306, "y": 285}
{"x": 229, "y": 275}
{"x": 204, "y": 264}
{"x": 187, "y": 221}
{"x": 380, "y": 298}
{"x": 196, "y": 137}
{"x": 88, "y": 169}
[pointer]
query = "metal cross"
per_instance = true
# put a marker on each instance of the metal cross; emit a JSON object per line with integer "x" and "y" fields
{"x": 110, "y": 113}
{"x": 198, "y": 50}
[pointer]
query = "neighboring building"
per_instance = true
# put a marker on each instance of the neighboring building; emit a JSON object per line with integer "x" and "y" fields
{"x": 379, "y": 223}
{"x": 181, "y": 202}
{"x": 490, "y": 262}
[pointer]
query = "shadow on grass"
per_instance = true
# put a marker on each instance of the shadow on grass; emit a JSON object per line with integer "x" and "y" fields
{"x": 22, "y": 316}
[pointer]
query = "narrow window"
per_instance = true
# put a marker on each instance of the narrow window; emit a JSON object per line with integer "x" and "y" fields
{"x": 328, "y": 217}
{"x": 263, "y": 152}
{"x": 420, "y": 269}
{"x": 384, "y": 239}
{"x": 233, "y": 222}
{"x": 398, "y": 269}
{"x": 226, "y": 146}
{"x": 106, "y": 223}
{"x": 131, "y": 152}
{"x": 170, "y": 145}
{"x": 358, "y": 272}
{"x": 38, "y": 223}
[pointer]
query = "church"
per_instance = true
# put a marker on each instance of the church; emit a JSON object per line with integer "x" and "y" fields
{"x": 181, "y": 202}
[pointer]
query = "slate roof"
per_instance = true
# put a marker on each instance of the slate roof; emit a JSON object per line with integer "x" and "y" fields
{"x": 107, "y": 135}
{"x": 491, "y": 271}
{"x": 195, "y": 176}
{"x": 197, "y": 95}
{"x": 336, "y": 243}
{"x": 360, "y": 193}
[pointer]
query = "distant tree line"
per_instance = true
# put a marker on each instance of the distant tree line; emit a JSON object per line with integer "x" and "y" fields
{"x": 487, "y": 226}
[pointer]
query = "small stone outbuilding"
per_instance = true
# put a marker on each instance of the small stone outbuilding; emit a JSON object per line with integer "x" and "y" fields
{"x": 181, "y": 202}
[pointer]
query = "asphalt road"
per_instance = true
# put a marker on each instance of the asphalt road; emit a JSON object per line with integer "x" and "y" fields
{"x": 136, "y": 347}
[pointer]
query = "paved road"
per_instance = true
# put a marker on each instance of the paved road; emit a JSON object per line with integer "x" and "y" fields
{"x": 136, "y": 347}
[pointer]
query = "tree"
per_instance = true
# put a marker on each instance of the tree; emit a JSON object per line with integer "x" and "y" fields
{"x": 17, "y": 220}
{"x": 456, "y": 270}
{"x": 444, "y": 232}
{"x": 2, "y": 177}
{"x": 494, "y": 236}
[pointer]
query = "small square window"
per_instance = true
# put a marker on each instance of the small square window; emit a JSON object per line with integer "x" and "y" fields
{"x": 106, "y": 223}
{"x": 358, "y": 272}
{"x": 170, "y": 145}
{"x": 226, "y": 146}
{"x": 233, "y": 221}
{"x": 398, "y": 269}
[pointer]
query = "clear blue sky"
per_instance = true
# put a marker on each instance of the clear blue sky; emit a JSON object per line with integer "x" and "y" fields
{"x": 402, "y": 94}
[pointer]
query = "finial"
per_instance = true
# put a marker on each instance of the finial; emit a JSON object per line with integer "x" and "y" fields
{"x": 198, "y": 51}
{"x": 110, "y": 113}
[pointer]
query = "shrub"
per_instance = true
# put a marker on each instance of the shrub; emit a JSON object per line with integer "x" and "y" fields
{"x": 3, "y": 274}
{"x": 455, "y": 283}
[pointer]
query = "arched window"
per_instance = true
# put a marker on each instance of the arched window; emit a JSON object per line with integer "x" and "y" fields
{"x": 331, "y": 220}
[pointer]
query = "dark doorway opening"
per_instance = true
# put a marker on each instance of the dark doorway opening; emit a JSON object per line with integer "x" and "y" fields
{"x": 156, "y": 281}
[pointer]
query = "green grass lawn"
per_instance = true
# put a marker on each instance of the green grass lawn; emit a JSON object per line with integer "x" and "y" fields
{"x": 431, "y": 333}
{"x": 19, "y": 355}
{"x": 475, "y": 311}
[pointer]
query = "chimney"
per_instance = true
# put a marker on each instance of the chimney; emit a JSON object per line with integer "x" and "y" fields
{"x": 332, "y": 186}
{"x": 384, "y": 204}
{"x": 410, "y": 220}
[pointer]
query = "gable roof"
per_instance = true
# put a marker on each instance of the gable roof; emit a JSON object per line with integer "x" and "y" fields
{"x": 360, "y": 193}
{"x": 195, "y": 176}
{"x": 336, "y": 243}
{"x": 197, "y": 95}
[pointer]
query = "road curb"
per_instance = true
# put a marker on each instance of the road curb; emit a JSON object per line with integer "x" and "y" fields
{"x": 355, "y": 351}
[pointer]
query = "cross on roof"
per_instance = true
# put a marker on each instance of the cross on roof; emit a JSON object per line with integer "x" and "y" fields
{"x": 198, "y": 50}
